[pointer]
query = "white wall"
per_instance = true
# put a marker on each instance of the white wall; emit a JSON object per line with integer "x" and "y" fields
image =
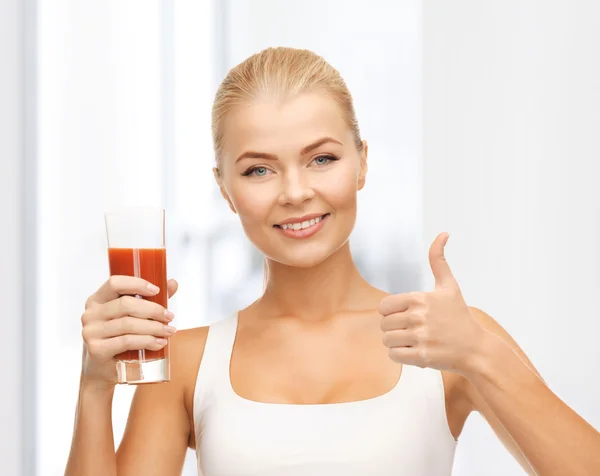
{"x": 511, "y": 166}
{"x": 12, "y": 133}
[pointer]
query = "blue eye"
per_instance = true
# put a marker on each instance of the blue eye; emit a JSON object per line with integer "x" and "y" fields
{"x": 256, "y": 171}
{"x": 324, "y": 160}
{"x": 260, "y": 171}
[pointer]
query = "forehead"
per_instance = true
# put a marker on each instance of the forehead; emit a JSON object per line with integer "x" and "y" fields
{"x": 278, "y": 126}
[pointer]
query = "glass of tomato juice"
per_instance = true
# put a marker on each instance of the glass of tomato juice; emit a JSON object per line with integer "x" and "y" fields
{"x": 136, "y": 247}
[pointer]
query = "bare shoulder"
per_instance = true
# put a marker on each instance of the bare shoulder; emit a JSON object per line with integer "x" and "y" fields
{"x": 159, "y": 427}
{"x": 187, "y": 350}
{"x": 491, "y": 325}
{"x": 462, "y": 398}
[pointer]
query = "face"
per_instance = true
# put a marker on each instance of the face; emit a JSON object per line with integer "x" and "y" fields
{"x": 291, "y": 171}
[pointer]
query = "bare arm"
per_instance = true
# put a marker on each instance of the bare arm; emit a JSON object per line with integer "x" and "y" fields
{"x": 159, "y": 428}
{"x": 93, "y": 449}
{"x": 114, "y": 321}
{"x": 156, "y": 437}
{"x": 545, "y": 435}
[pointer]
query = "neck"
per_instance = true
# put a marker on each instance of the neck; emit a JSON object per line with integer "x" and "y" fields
{"x": 315, "y": 293}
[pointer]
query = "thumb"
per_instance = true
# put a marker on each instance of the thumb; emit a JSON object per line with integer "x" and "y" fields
{"x": 172, "y": 286}
{"x": 439, "y": 266}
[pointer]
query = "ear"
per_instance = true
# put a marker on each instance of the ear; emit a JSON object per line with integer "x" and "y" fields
{"x": 219, "y": 179}
{"x": 363, "y": 165}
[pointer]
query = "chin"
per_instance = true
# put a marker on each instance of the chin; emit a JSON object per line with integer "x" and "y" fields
{"x": 306, "y": 256}
{"x": 305, "y": 261}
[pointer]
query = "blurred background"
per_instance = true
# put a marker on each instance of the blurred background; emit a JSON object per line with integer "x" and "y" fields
{"x": 482, "y": 119}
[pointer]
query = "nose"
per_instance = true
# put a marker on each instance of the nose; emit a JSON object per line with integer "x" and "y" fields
{"x": 295, "y": 189}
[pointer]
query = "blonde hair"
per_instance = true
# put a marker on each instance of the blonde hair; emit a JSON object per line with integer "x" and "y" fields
{"x": 284, "y": 72}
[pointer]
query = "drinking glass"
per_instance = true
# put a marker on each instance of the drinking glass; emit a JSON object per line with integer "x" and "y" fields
{"x": 136, "y": 247}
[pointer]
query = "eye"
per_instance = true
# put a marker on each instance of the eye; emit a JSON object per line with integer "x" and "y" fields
{"x": 324, "y": 160}
{"x": 256, "y": 171}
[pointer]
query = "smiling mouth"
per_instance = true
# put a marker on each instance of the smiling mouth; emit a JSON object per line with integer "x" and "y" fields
{"x": 301, "y": 225}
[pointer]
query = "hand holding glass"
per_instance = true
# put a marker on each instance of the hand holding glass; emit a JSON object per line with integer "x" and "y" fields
{"x": 136, "y": 247}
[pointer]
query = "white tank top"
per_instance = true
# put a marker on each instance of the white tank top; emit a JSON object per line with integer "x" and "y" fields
{"x": 403, "y": 432}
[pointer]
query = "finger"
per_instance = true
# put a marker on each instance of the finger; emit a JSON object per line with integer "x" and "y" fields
{"x": 437, "y": 261}
{"x": 400, "y": 302}
{"x": 127, "y": 325}
{"x": 172, "y": 287}
{"x": 118, "y": 285}
{"x": 399, "y": 339}
{"x": 132, "y": 306}
{"x": 104, "y": 349}
{"x": 126, "y": 306}
{"x": 135, "y": 342}
{"x": 401, "y": 320}
{"x": 406, "y": 355}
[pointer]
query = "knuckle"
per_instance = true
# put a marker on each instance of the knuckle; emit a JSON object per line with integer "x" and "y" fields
{"x": 122, "y": 325}
{"x": 384, "y": 305}
{"x": 90, "y": 301}
{"x": 157, "y": 311}
{"x": 418, "y": 297}
{"x": 85, "y": 317}
{"x": 419, "y": 318}
{"x": 126, "y": 304}
{"x": 422, "y": 335}
{"x": 87, "y": 333}
{"x": 414, "y": 320}
{"x": 131, "y": 325}
{"x": 158, "y": 329}
{"x": 385, "y": 338}
{"x": 113, "y": 283}
{"x": 423, "y": 357}
{"x": 93, "y": 348}
{"x": 128, "y": 341}
{"x": 152, "y": 342}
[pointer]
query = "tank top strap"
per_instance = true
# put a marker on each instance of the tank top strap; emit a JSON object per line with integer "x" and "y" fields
{"x": 213, "y": 374}
{"x": 423, "y": 391}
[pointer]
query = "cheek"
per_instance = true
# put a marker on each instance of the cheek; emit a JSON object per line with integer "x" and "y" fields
{"x": 340, "y": 191}
{"x": 253, "y": 202}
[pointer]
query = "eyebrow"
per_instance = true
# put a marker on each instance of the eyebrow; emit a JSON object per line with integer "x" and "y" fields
{"x": 305, "y": 150}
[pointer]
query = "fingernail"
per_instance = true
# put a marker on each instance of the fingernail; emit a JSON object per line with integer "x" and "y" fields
{"x": 169, "y": 315}
{"x": 153, "y": 288}
{"x": 170, "y": 329}
{"x": 160, "y": 341}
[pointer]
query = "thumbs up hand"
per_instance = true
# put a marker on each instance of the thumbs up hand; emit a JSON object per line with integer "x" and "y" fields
{"x": 432, "y": 329}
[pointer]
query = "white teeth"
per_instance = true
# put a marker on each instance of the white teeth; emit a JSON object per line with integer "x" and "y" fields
{"x": 301, "y": 226}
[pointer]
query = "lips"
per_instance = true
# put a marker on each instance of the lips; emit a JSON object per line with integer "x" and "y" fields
{"x": 301, "y": 223}
{"x": 305, "y": 230}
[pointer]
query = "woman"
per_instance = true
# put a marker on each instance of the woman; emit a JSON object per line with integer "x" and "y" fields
{"x": 299, "y": 382}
